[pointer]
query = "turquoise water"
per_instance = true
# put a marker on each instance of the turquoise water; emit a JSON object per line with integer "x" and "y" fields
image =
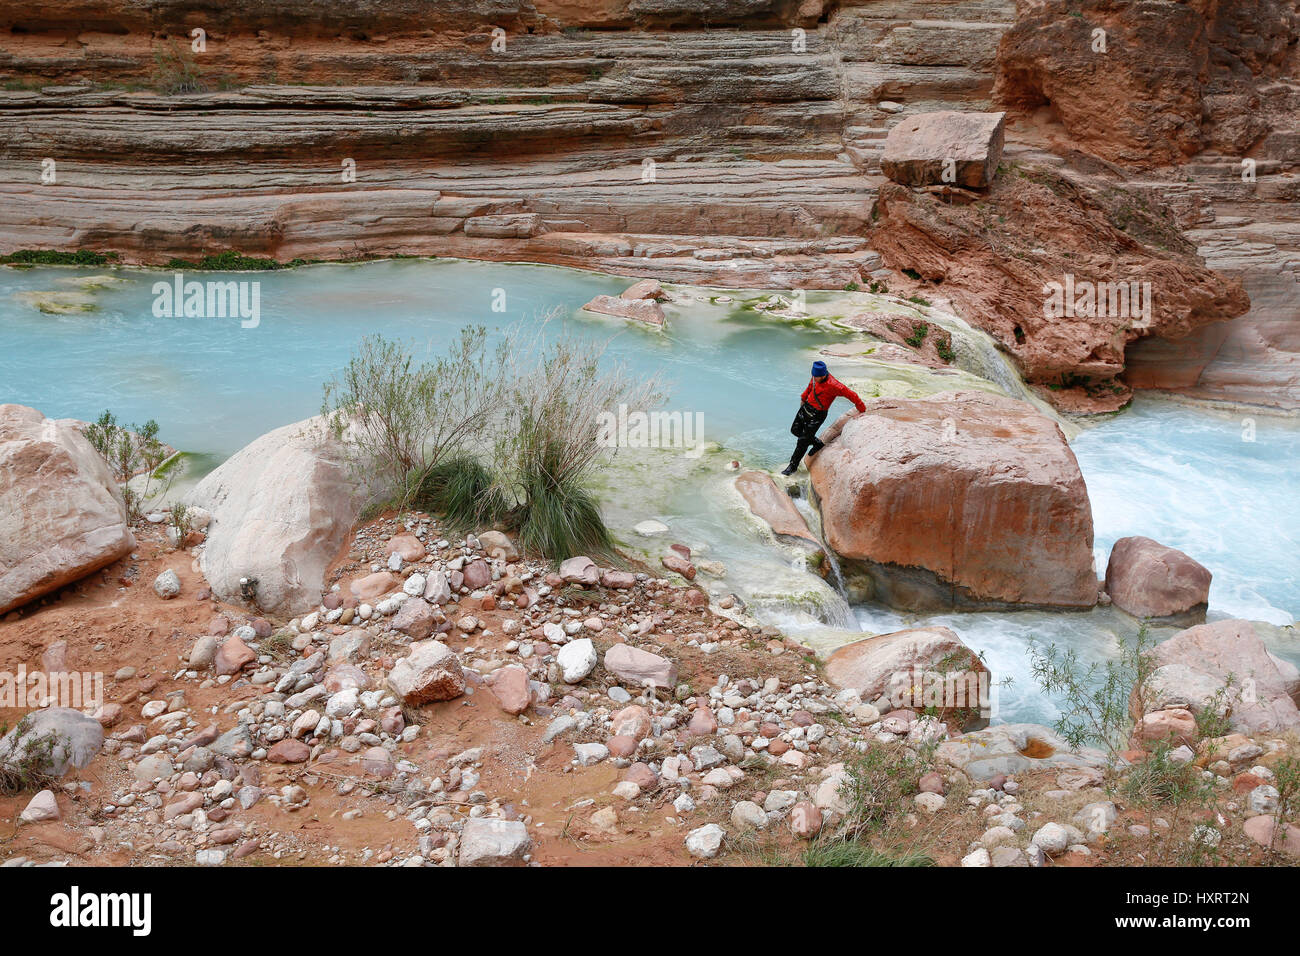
{"x": 214, "y": 386}
{"x": 1181, "y": 475}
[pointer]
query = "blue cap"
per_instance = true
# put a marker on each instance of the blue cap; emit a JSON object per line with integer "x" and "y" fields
{"x": 819, "y": 369}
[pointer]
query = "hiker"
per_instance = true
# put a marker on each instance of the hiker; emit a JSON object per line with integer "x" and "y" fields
{"x": 815, "y": 403}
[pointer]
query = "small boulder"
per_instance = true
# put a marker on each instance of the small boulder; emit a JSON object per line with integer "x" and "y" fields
{"x": 41, "y": 808}
{"x": 510, "y": 685}
{"x": 431, "y": 673}
{"x": 289, "y": 750}
{"x": 167, "y": 585}
{"x": 374, "y": 586}
{"x": 1148, "y": 579}
{"x": 407, "y": 545}
{"x": 487, "y": 841}
{"x": 576, "y": 660}
{"x": 638, "y": 668}
{"x": 415, "y": 618}
{"x": 704, "y": 842}
{"x": 579, "y": 570}
{"x": 233, "y": 656}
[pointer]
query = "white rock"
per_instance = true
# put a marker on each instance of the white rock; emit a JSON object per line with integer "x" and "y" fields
{"x": 748, "y": 815}
{"x": 576, "y": 660}
{"x": 704, "y": 842}
{"x": 41, "y": 808}
{"x": 167, "y": 585}
{"x": 486, "y": 841}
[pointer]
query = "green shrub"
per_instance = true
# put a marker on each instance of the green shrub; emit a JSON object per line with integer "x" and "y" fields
{"x": 401, "y": 418}
{"x": 129, "y": 450}
{"x": 52, "y": 257}
{"x": 1095, "y": 700}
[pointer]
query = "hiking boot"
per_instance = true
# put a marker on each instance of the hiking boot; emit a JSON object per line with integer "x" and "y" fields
{"x": 816, "y": 448}
{"x": 789, "y": 470}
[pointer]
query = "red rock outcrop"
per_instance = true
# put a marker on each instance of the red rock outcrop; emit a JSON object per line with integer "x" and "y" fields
{"x": 1064, "y": 271}
{"x": 1146, "y": 83}
{"x": 947, "y": 146}
{"x": 963, "y": 499}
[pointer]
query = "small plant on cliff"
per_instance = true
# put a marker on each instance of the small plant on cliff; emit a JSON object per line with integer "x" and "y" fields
{"x": 944, "y": 349}
{"x": 175, "y": 71}
{"x": 918, "y": 334}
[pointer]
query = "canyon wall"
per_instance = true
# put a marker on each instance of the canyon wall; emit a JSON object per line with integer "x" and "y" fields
{"x": 725, "y": 142}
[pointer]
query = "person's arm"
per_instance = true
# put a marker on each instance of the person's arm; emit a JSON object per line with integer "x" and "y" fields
{"x": 806, "y": 392}
{"x": 845, "y": 392}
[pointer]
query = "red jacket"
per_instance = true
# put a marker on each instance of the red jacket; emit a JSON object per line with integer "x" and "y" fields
{"x": 820, "y": 394}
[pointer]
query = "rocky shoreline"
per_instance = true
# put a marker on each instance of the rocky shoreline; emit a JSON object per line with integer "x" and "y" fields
{"x": 506, "y": 707}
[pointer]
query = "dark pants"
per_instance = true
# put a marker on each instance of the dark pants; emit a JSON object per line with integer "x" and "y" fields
{"x": 805, "y": 430}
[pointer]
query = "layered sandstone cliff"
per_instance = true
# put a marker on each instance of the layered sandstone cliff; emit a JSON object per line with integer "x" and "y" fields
{"x": 725, "y": 142}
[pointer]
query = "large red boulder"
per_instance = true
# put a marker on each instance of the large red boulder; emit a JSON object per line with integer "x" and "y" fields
{"x": 961, "y": 499}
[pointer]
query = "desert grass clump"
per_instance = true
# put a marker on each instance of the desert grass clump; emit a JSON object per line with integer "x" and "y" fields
{"x": 510, "y": 436}
{"x": 550, "y": 444}
{"x": 463, "y": 490}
